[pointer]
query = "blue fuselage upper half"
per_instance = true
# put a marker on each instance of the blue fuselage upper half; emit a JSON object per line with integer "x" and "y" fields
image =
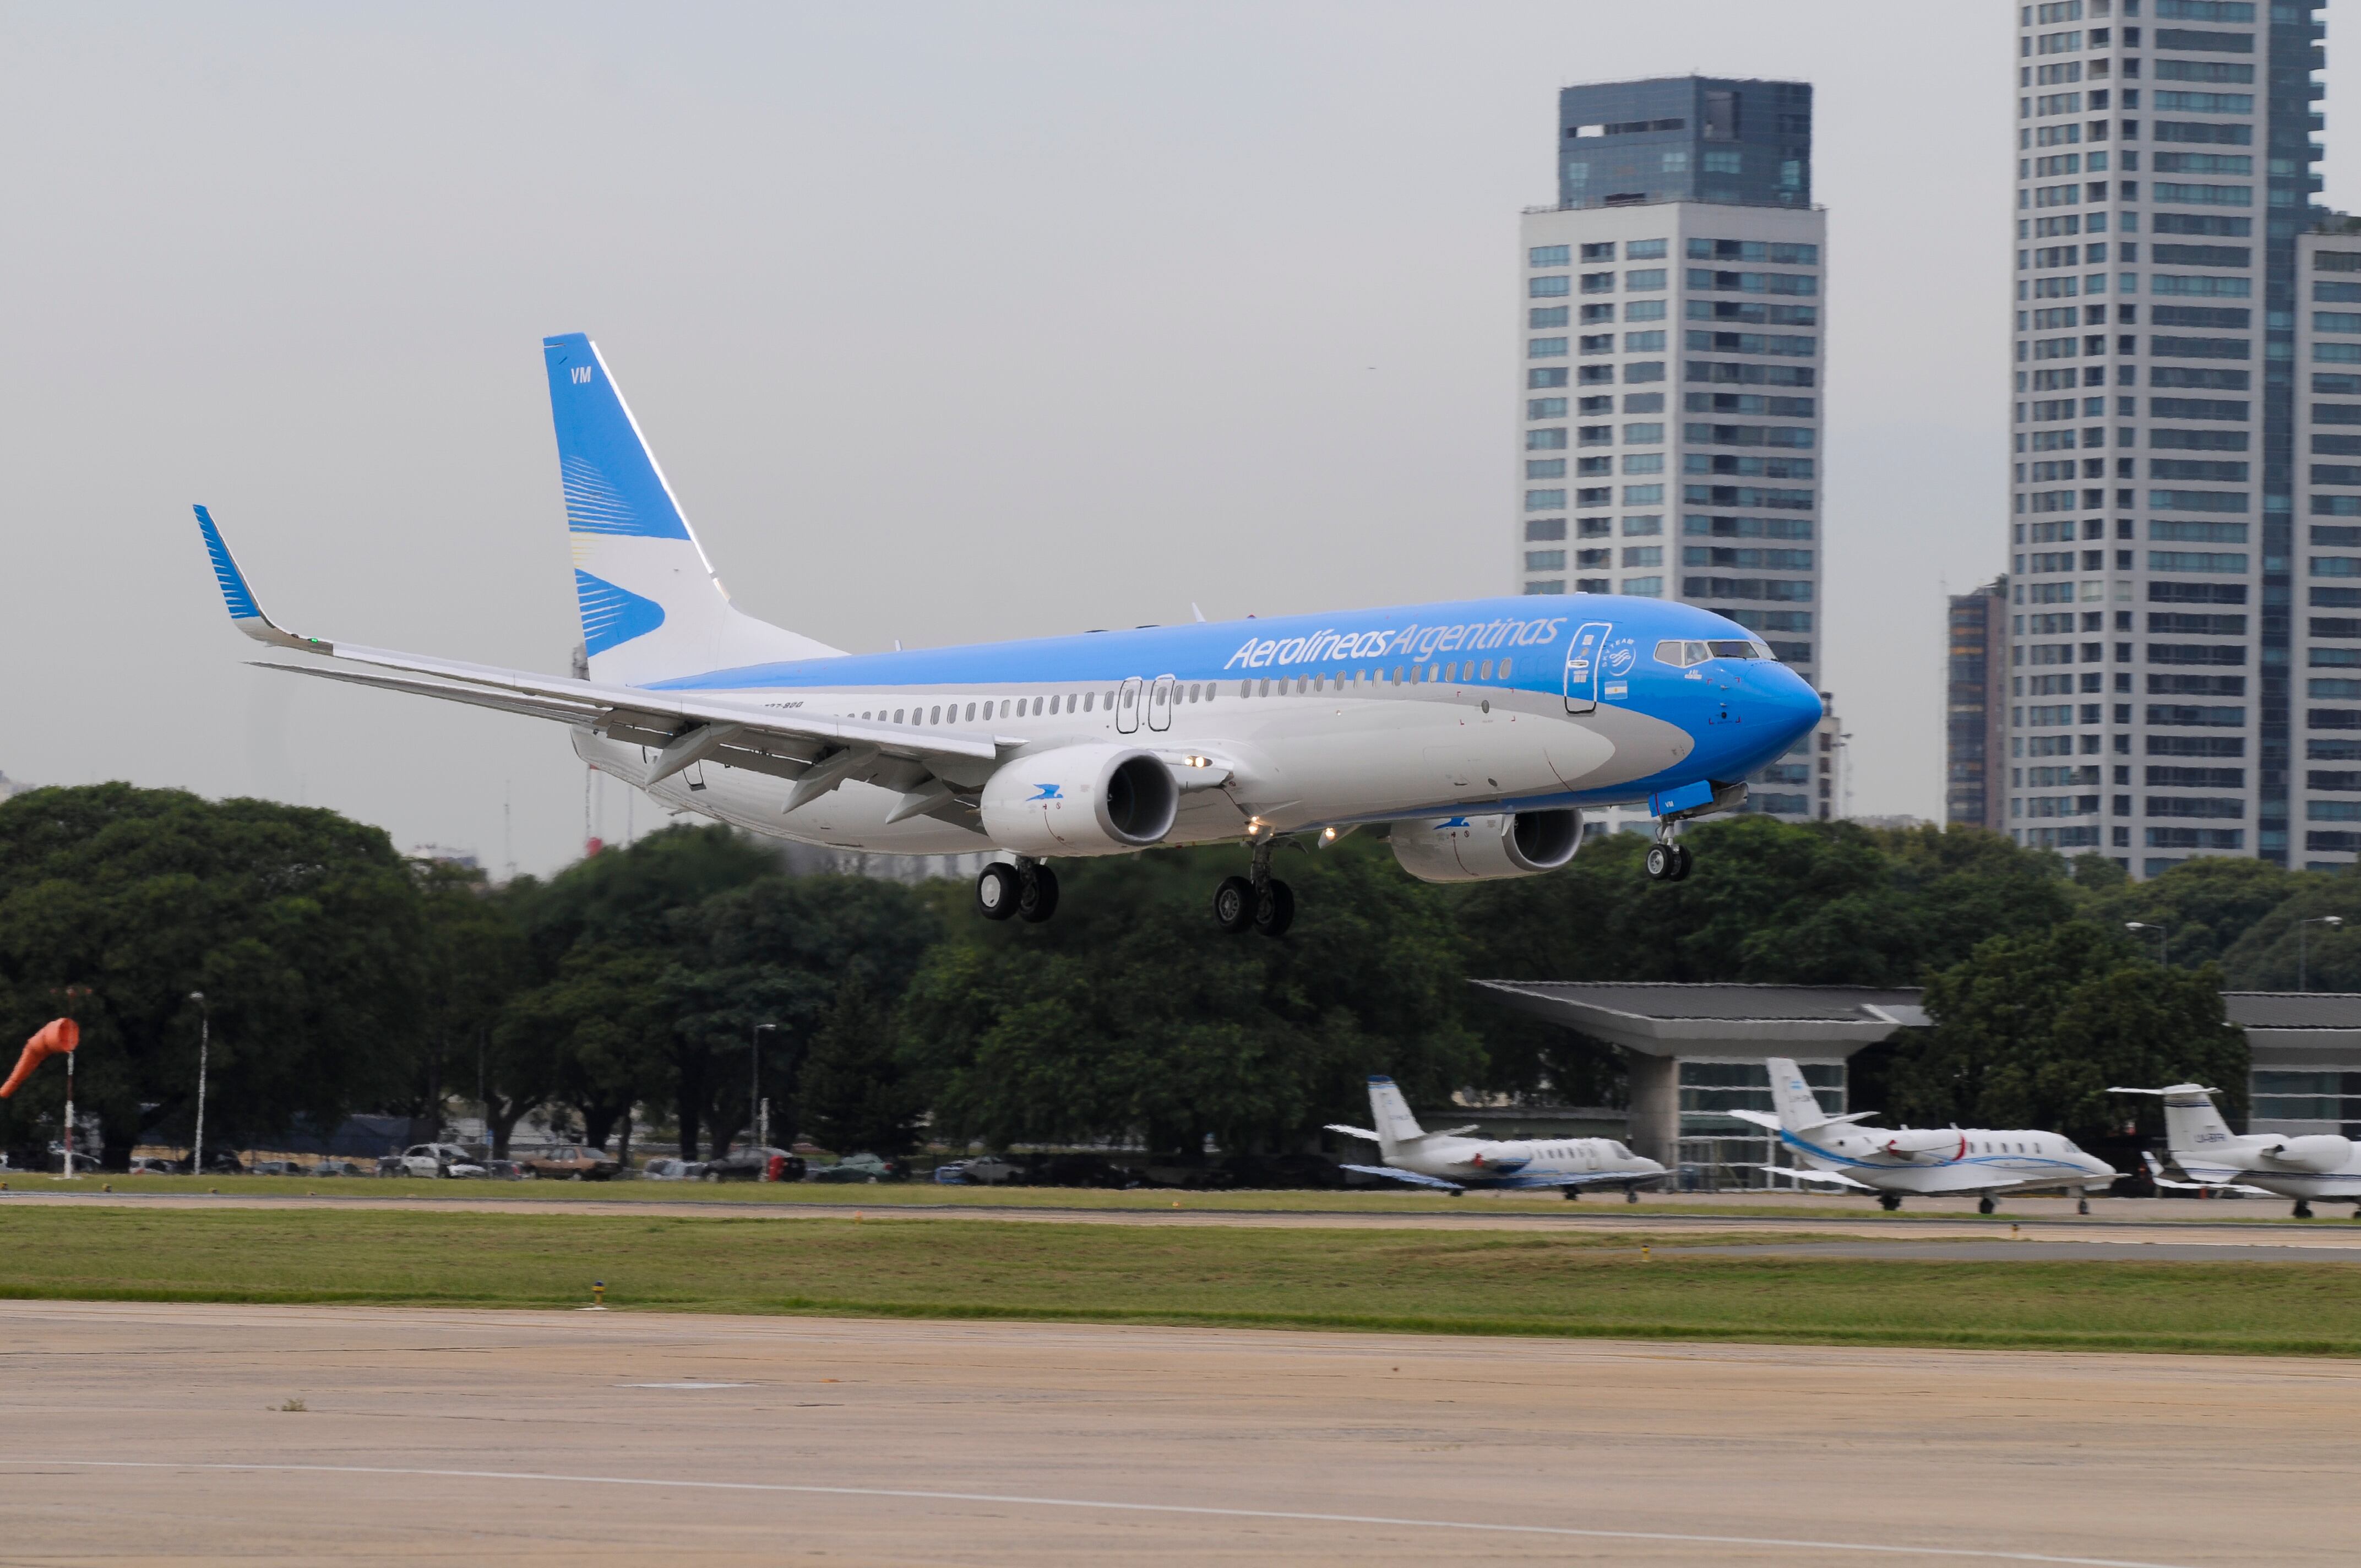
{"x": 1607, "y": 664}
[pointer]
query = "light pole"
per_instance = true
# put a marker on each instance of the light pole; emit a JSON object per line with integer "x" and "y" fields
{"x": 71, "y": 993}
{"x": 204, "y": 1043}
{"x": 754, "y": 1106}
{"x": 2331, "y": 922}
{"x": 2163, "y": 939}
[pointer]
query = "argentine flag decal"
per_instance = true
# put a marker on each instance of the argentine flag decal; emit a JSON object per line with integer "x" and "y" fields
{"x": 612, "y": 616}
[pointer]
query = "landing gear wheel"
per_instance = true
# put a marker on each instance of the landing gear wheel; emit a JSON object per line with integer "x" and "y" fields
{"x": 2082, "y": 1205}
{"x": 997, "y": 887}
{"x": 1275, "y": 910}
{"x": 1630, "y": 1195}
{"x": 1681, "y": 862}
{"x": 1233, "y": 904}
{"x": 1037, "y": 900}
{"x": 1889, "y": 1202}
{"x": 1660, "y": 861}
{"x": 2303, "y": 1210}
{"x": 1986, "y": 1205}
{"x": 1571, "y": 1194}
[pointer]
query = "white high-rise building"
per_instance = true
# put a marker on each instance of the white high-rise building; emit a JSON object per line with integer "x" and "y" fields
{"x": 2163, "y": 186}
{"x": 1672, "y": 309}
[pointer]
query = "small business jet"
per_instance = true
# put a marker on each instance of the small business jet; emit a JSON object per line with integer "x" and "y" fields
{"x": 1473, "y": 734}
{"x": 1924, "y": 1161}
{"x": 1453, "y": 1162}
{"x": 2317, "y": 1165}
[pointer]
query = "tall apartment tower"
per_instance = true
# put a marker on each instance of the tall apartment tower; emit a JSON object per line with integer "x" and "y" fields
{"x": 1671, "y": 307}
{"x": 1975, "y": 736}
{"x": 2155, "y": 485}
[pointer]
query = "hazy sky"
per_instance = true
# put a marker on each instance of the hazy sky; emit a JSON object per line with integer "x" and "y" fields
{"x": 947, "y": 323}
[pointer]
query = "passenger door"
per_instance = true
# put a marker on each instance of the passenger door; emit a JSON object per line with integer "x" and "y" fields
{"x": 1582, "y": 657}
{"x": 1159, "y": 704}
{"x": 1127, "y": 708}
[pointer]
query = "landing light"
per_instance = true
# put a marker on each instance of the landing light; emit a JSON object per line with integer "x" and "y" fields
{"x": 1327, "y": 835}
{"x": 1197, "y": 762}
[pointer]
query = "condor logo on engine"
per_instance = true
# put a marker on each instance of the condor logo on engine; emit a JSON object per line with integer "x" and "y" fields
{"x": 1049, "y": 792}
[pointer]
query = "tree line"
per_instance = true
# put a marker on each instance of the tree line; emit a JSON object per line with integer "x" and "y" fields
{"x": 659, "y": 979}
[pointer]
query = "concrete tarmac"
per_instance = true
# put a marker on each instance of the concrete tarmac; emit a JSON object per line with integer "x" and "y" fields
{"x": 139, "y": 1434}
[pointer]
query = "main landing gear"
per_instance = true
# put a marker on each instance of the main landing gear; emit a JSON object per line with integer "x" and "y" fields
{"x": 1026, "y": 889}
{"x": 1889, "y": 1202}
{"x": 1987, "y": 1204}
{"x": 1260, "y": 900}
{"x": 1667, "y": 860}
{"x": 2303, "y": 1210}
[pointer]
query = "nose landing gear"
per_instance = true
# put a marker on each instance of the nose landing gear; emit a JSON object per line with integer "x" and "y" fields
{"x": 1666, "y": 861}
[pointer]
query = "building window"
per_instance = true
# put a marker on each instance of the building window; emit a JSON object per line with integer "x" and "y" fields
{"x": 1548, "y": 440}
{"x": 1545, "y": 348}
{"x": 1647, "y": 587}
{"x": 1545, "y": 468}
{"x": 1552, "y": 376}
{"x": 1539, "y": 529}
{"x": 1555, "y": 586}
{"x": 1549, "y": 286}
{"x": 1545, "y": 559}
{"x": 1547, "y": 255}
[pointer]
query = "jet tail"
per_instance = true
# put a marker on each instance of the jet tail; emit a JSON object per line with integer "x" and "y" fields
{"x": 651, "y": 609}
{"x": 1396, "y": 1126}
{"x": 1799, "y": 1109}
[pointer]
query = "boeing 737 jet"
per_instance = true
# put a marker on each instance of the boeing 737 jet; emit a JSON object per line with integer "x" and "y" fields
{"x": 2316, "y": 1164}
{"x": 1474, "y": 734}
{"x": 1453, "y": 1162}
{"x": 1926, "y": 1161}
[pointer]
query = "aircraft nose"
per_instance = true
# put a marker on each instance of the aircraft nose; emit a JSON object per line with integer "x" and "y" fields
{"x": 1791, "y": 705}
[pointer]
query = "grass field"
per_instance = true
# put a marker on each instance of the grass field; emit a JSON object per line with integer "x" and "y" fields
{"x": 1577, "y": 1284}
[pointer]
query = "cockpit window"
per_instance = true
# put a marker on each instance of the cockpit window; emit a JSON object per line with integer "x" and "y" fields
{"x": 1735, "y": 651}
{"x": 1680, "y": 655}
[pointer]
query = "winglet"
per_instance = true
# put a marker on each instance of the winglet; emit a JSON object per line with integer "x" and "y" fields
{"x": 245, "y": 610}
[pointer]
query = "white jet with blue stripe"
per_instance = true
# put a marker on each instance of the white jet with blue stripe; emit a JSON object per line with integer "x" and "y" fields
{"x": 1473, "y": 733}
{"x": 1895, "y": 1163}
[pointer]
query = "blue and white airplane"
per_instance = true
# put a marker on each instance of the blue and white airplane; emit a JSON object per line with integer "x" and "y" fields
{"x": 1453, "y": 1162}
{"x": 1929, "y": 1161}
{"x": 1474, "y": 732}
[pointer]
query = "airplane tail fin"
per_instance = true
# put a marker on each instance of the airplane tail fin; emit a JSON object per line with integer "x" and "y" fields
{"x": 2191, "y": 1121}
{"x": 651, "y": 609}
{"x": 1799, "y": 1109}
{"x": 1395, "y": 1124}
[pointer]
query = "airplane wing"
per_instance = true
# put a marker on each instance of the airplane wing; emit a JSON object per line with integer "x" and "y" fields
{"x": 1802, "y": 1175}
{"x": 1410, "y": 1176}
{"x": 1590, "y": 1177}
{"x": 816, "y": 751}
{"x": 1352, "y": 1132}
{"x": 1760, "y": 1118}
{"x": 2155, "y": 1174}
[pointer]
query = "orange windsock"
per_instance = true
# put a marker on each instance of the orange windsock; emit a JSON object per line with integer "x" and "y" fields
{"x": 56, "y": 1035}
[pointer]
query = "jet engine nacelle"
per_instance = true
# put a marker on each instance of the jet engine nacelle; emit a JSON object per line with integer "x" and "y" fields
{"x": 1483, "y": 849}
{"x": 1080, "y": 800}
{"x": 1909, "y": 1141}
{"x": 2319, "y": 1152}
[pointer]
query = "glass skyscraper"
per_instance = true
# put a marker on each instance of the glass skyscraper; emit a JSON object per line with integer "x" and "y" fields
{"x": 1672, "y": 313}
{"x": 2163, "y": 340}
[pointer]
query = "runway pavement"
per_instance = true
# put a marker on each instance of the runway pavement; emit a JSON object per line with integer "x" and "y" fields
{"x": 142, "y": 1433}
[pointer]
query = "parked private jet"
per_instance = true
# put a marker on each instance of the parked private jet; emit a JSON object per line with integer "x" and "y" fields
{"x": 1473, "y": 734}
{"x": 1453, "y": 1162}
{"x": 1925, "y": 1161}
{"x": 2317, "y": 1165}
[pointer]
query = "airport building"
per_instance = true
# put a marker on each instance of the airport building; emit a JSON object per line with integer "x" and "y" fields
{"x": 1671, "y": 314}
{"x": 2174, "y": 322}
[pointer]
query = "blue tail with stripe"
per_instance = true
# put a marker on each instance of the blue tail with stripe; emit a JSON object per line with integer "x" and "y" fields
{"x": 651, "y": 608}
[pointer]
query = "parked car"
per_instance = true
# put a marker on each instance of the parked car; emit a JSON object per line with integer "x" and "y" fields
{"x": 439, "y": 1159}
{"x": 339, "y": 1167}
{"x": 276, "y": 1168}
{"x": 862, "y": 1168}
{"x": 672, "y": 1169}
{"x": 951, "y": 1173}
{"x": 991, "y": 1171}
{"x": 573, "y": 1164}
{"x": 753, "y": 1165}
{"x": 506, "y": 1170}
{"x": 153, "y": 1164}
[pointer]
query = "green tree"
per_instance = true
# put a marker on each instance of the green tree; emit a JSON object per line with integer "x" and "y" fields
{"x": 2291, "y": 947}
{"x": 856, "y": 1095}
{"x": 301, "y": 927}
{"x": 2206, "y": 905}
{"x": 2031, "y": 1030}
{"x": 473, "y": 961}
